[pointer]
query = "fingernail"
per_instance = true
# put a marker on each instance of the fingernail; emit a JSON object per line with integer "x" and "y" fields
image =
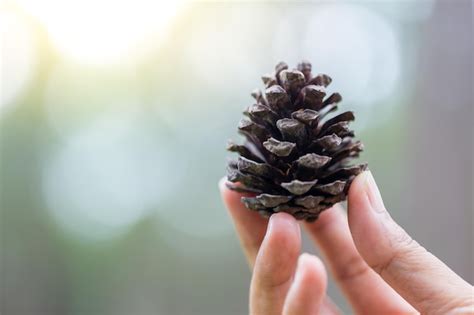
{"x": 283, "y": 221}
{"x": 302, "y": 258}
{"x": 299, "y": 267}
{"x": 364, "y": 176}
{"x": 373, "y": 193}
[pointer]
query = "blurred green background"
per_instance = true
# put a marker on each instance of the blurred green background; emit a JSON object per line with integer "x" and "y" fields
{"x": 115, "y": 115}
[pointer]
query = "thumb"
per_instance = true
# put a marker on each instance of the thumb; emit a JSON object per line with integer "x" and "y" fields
{"x": 417, "y": 275}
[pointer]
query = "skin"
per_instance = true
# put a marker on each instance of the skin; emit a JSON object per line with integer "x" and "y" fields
{"x": 378, "y": 266}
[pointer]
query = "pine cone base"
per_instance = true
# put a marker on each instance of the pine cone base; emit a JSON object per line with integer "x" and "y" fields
{"x": 295, "y": 159}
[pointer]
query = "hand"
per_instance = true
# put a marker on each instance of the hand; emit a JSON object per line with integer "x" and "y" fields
{"x": 378, "y": 266}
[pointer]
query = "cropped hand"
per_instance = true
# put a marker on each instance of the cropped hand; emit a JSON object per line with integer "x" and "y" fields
{"x": 379, "y": 267}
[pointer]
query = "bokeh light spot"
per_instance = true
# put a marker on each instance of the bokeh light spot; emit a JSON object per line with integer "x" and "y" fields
{"x": 212, "y": 53}
{"x": 18, "y": 59}
{"x": 353, "y": 44}
{"x": 358, "y": 48}
{"x": 107, "y": 177}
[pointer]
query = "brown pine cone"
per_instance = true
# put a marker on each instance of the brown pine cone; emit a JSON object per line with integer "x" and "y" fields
{"x": 295, "y": 158}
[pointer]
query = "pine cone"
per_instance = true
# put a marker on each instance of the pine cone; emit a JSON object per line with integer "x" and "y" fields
{"x": 294, "y": 159}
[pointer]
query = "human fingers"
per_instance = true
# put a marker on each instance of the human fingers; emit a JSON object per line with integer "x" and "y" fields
{"x": 363, "y": 287}
{"x": 250, "y": 226}
{"x": 417, "y": 275}
{"x": 275, "y": 265}
{"x": 308, "y": 290}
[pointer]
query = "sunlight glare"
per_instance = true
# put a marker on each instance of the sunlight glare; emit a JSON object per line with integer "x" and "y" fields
{"x": 18, "y": 60}
{"x": 105, "y": 31}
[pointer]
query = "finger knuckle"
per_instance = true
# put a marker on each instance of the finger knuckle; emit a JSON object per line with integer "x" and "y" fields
{"x": 403, "y": 249}
{"x": 461, "y": 305}
{"x": 353, "y": 268}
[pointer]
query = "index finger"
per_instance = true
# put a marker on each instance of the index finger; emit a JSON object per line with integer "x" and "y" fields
{"x": 250, "y": 226}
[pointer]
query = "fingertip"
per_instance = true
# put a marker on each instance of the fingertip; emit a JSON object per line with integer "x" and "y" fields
{"x": 224, "y": 191}
{"x": 232, "y": 199}
{"x": 281, "y": 245}
{"x": 284, "y": 231}
{"x": 370, "y": 224}
{"x": 250, "y": 225}
{"x": 228, "y": 195}
{"x": 364, "y": 200}
{"x": 221, "y": 184}
{"x": 283, "y": 220}
{"x": 364, "y": 219}
{"x": 278, "y": 255}
{"x": 357, "y": 195}
{"x": 311, "y": 272}
{"x": 358, "y": 205}
{"x": 308, "y": 289}
{"x": 364, "y": 193}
